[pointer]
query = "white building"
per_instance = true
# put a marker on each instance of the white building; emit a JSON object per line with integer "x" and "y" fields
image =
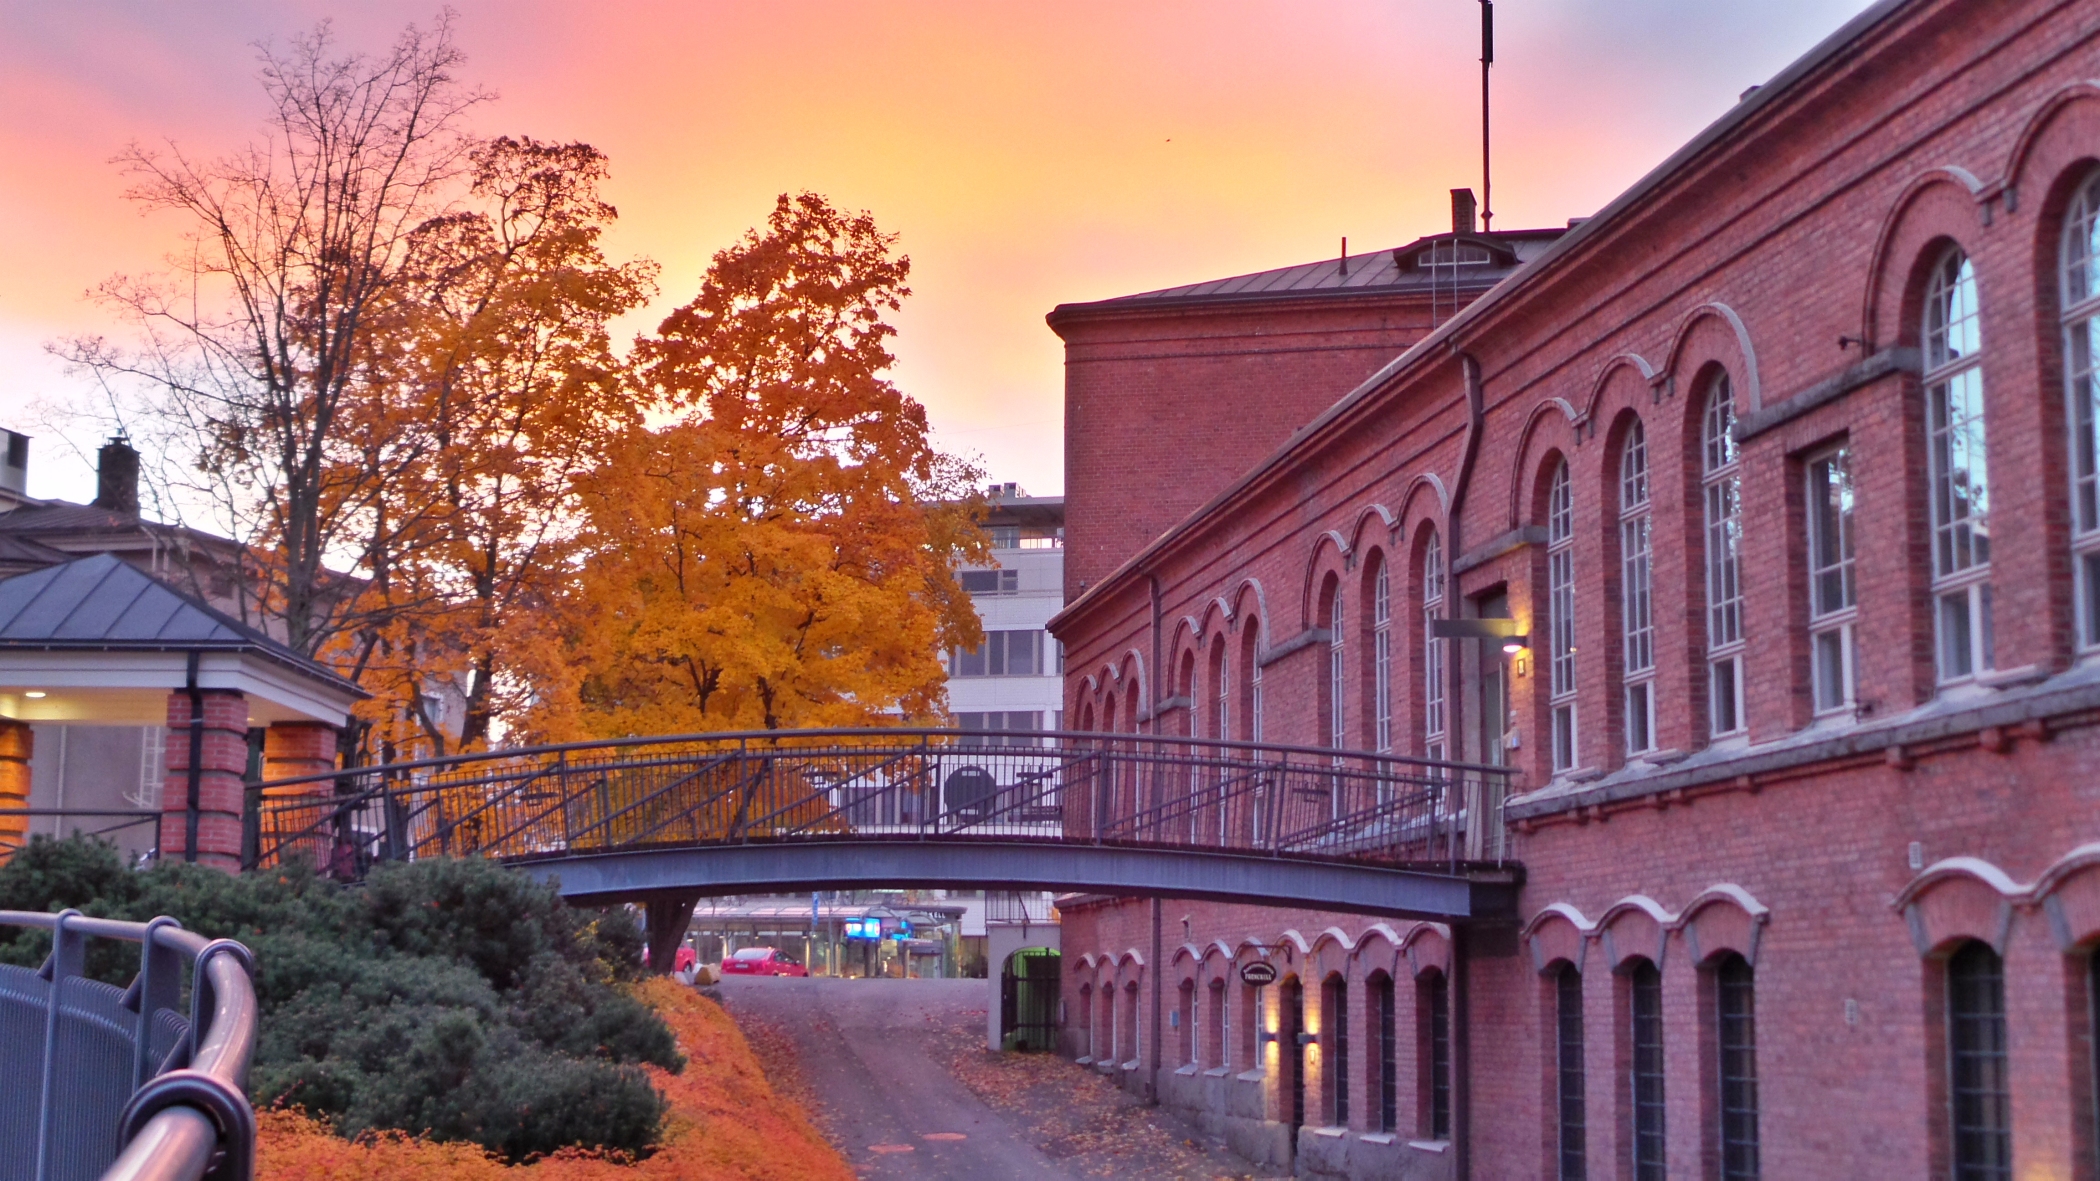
{"x": 1014, "y": 681}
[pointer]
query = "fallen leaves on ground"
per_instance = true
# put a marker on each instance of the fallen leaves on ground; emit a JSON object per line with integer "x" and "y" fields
{"x": 726, "y": 1123}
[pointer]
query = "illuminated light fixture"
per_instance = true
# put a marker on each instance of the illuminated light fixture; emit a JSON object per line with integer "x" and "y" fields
{"x": 34, "y": 693}
{"x": 1515, "y": 644}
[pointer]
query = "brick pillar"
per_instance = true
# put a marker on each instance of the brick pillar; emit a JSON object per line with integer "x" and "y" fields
{"x": 292, "y": 749}
{"x": 223, "y": 763}
{"x": 17, "y": 741}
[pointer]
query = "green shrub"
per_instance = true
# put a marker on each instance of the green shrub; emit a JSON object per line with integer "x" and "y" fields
{"x": 450, "y": 996}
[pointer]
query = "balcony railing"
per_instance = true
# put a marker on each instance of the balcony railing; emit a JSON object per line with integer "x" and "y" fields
{"x": 127, "y": 1084}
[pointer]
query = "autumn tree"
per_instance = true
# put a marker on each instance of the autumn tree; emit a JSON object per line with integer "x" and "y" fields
{"x": 259, "y": 339}
{"x": 779, "y": 552}
{"x": 496, "y": 351}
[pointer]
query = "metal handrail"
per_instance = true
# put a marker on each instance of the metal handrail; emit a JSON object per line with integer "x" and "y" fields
{"x": 188, "y": 1115}
{"x": 1046, "y": 786}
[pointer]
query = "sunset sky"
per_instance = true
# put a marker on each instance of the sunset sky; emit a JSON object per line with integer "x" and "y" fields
{"x": 1027, "y": 154}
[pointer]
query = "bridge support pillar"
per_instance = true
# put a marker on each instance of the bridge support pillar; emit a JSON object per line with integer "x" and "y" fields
{"x": 668, "y": 915}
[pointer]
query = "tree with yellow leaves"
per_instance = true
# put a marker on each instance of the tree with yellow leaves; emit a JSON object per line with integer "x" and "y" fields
{"x": 779, "y": 553}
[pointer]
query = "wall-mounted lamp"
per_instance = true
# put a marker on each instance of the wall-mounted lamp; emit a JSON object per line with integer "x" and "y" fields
{"x": 34, "y": 693}
{"x": 1512, "y": 645}
{"x": 1308, "y": 1039}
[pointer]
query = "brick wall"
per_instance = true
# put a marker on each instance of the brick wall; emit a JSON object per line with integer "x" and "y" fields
{"x": 1944, "y": 124}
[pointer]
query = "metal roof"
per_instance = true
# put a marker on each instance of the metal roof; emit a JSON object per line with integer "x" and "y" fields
{"x": 102, "y": 603}
{"x": 1381, "y": 272}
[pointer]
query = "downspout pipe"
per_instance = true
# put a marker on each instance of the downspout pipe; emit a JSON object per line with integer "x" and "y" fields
{"x": 1461, "y": 1000}
{"x": 196, "y": 771}
{"x": 1152, "y": 1083}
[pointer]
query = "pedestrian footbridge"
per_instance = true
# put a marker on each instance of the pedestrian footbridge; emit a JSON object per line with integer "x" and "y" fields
{"x": 1123, "y": 814}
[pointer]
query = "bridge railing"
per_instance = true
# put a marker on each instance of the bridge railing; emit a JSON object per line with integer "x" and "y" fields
{"x": 126, "y": 1084}
{"x": 907, "y": 783}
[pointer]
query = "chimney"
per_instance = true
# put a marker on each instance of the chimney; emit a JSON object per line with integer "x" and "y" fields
{"x": 1462, "y": 209}
{"x": 117, "y": 477}
{"x": 14, "y": 470}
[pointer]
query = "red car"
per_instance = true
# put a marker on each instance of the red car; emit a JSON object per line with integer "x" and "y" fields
{"x": 761, "y": 961}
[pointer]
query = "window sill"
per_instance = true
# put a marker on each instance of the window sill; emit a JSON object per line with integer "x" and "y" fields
{"x": 1189, "y": 1071}
{"x": 1378, "y": 1138}
{"x": 1130, "y": 1066}
{"x": 1330, "y": 1133}
{"x": 1217, "y": 1072}
{"x": 2009, "y": 678}
{"x": 1083, "y": 1060}
{"x": 1251, "y": 1076}
{"x": 1437, "y": 1146}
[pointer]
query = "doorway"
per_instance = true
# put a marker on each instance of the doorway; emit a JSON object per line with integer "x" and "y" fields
{"x": 1028, "y": 990}
{"x": 1492, "y": 701}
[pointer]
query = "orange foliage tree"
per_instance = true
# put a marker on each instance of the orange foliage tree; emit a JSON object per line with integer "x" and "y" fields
{"x": 779, "y": 552}
{"x": 500, "y": 363}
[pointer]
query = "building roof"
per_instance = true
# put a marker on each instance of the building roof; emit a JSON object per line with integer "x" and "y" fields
{"x": 100, "y": 603}
{"x": 1397, "y": 271}
{"x": 22, "y": 553}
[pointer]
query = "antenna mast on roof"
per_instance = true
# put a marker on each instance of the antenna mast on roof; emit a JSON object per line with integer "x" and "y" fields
{"x": 1487, "y": 60}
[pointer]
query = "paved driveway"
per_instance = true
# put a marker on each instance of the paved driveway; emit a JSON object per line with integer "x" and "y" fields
{"x": 867, "y": 1050}
{"x": 898, "y": 1076}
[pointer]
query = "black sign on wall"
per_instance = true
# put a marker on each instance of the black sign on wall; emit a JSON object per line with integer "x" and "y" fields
{"x": 1258, "y": 973}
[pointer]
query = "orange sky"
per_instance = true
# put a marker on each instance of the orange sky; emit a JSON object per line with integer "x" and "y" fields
{"x": 1027, "y": 154}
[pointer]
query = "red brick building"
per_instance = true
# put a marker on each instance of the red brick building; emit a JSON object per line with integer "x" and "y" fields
{"x": 1784, "y": 465}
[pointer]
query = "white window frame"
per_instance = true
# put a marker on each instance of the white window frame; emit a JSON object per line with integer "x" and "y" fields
{"x": 1637, "y": 592}
{"x": 1721, "y": 497}
{"x": 1833, "y": 600}
{"x": 1337, "y": 695}
{"x": 2079, "y": 272}
{"x": 1433, "y": 723}
{"x": 1560, "y": 608}
{"x": 1958, "y": 478}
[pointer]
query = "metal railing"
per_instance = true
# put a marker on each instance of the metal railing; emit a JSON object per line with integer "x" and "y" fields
{"x": 1128, "y": 789}
{"x": 122, "y": 1083}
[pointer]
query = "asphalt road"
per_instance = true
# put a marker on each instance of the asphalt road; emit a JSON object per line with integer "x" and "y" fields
{"x": 867, "y": 1052}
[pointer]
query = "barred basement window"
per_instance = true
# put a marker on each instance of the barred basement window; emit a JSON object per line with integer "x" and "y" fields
{"x": 1432, "y": 649}
{"x": 1568, "y": 1073}
{"x": 1649, "y": 1163}
{"x": 1433, "y": 994}
{"x": 1560, "y": 604}
{"x": 1721, "y": 492}
{"x": 1736, "y": 1040}
{"x": 1636, "y": 592}
{"x": 1832, "y": 605}
{"x": 1388, "y": 1054}
{"x": 1334, "y": 1037}
{"x": 1976, "y": 1067}
{"x": 2081, "y": 311}
{"x": 1961, "y": 530}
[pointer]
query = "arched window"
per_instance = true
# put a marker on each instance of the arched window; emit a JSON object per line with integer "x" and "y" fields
{"x": 1560, "y": 607}
{"x": 1636, "y": 592}
{"x": 1981, "y": 1095}
{"x": 1337, "y": 669}
{"x": 1381, "y": 657}
{"x": 1961, "y": 530}
{"x": 1571, "y": 1116}
{"x": 1432, "y": 648}
{"x": 1735, "y": 1045}
{"x": 2081, "y": 310}
{"x": 1645, "y": 1015}
{"x": 1721, "y": 492}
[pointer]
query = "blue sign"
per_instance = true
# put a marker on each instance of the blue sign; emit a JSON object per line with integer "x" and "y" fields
{"x": 863, "y": 928}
